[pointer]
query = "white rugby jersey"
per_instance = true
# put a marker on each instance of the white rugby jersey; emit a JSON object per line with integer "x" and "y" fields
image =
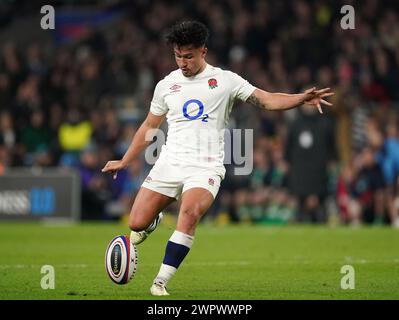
{"x": 197, "y": 111}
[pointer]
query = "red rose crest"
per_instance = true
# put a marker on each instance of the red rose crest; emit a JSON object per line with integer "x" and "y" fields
{"x": 211, "y": 182}
{"x": 212, "y": 83}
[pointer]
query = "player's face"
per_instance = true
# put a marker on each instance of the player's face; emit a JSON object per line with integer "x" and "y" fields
{"x": 190, "y": 60}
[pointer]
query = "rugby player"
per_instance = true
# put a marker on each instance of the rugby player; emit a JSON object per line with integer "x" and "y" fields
{"x": 196, "y": 99}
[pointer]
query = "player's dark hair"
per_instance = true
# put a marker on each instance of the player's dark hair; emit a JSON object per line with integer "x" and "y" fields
{"x": 188, "y": 33}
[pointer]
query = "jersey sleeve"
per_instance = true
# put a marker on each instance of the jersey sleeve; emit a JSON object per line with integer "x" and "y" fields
{"x": 241, "y": 88}
{"x": 158, "y": 106}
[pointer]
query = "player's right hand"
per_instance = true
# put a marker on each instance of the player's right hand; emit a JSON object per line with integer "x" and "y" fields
{"x": 113, "y": 167}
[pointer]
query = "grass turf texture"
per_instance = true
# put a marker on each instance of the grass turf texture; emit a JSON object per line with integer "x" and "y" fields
{"x": 230, "y": 262}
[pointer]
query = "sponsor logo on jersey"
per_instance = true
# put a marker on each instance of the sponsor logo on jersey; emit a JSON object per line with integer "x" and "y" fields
{"x": 212, "y": 83}
{"x": 175, "y": 88}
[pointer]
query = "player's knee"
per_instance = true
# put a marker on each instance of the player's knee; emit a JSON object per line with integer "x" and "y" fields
{"x": 192, "y": 212}
{"x": 136, "y": 221}
{"x": 137, "y": 226}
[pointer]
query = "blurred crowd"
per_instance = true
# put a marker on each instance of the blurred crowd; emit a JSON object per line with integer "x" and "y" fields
{"x": 79, "y": 104}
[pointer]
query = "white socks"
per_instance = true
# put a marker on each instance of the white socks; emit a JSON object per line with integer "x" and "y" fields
{"x": 177, "y": 248}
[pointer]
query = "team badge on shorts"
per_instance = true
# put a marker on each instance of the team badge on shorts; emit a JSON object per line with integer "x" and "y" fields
{"x": 211, "y": 182}
{"x": 148, "y": 179}
{"x": 212, "y": 83}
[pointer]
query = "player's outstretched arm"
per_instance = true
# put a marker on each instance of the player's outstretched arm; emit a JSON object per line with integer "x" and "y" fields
{"x": 139, "y": 143}
{"x": 284, "y": 101}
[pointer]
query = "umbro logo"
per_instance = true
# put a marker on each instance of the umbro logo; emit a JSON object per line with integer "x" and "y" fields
{"x": 175, "y": 88}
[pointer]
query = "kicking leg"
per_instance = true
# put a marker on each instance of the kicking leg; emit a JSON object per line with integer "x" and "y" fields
{"x": 195, "y": 203}
{"x": 146, "y": 213}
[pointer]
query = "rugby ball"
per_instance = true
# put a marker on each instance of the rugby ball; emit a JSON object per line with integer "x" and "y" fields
{"x": 121, "y": 259}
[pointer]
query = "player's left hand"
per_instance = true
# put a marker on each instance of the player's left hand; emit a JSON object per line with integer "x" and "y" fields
{"x": 315, "y": 97}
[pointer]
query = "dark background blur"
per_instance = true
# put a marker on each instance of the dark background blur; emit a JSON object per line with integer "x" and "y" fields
{"x": 74, "y": 97}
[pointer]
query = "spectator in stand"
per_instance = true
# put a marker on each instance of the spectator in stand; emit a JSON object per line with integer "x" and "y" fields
{"x": 36, "y": 137}
{"x": 5, "y": 92}
{"x": 95, "y": 190}
{"x": 75, "y": 133}
{"x": 125, "y": 189}
{"x": 368, "y": 188}
{"x": 388, "y": 159}
{"x": 349, "y": 207}
{"x": 310, "y": 148}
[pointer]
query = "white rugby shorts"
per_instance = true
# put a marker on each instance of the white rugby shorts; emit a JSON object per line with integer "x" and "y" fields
{"x": 174, "y": 179}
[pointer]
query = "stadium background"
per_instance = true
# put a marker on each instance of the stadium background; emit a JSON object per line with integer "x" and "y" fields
{"x": 74, "y": 96}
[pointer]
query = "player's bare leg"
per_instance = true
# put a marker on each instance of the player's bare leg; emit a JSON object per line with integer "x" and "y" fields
{"x": 195, "y": 203}
{"x": 146, "y": 213}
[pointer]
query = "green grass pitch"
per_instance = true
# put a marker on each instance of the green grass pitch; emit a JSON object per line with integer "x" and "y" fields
{"x": 229, "y": 262}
